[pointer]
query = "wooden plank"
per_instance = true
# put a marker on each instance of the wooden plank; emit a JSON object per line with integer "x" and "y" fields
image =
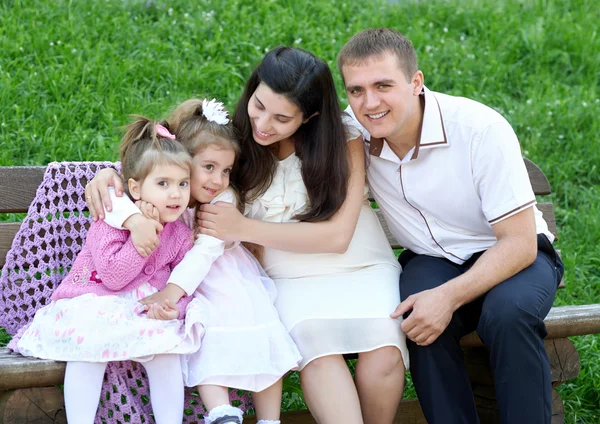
{"x": 561, "y": 322}
{"x": 409, "y": 412}
{"x": 7, "y": 233}
{"x": 18, "y": 185}
{"x": 564, "y": 360}
{"x": 20, "y": 372}
{"x": 558, "y": 408}
{"x": 539, "y": 181}
{"x": 547, "y": 210}
{"x": 33, "y": 406}
{"x": 391, "y": 239}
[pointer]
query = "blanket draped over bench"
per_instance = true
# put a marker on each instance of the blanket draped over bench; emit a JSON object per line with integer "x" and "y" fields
{"x": 42, "y": 252}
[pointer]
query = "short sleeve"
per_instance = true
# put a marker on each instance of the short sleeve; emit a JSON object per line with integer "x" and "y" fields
{"x": 352, "y": 128}
{"x": 227, "y": 196}
{"x": 499, "y": 173}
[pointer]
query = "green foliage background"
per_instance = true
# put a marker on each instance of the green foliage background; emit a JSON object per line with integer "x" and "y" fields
{"x": 71, "y": 72}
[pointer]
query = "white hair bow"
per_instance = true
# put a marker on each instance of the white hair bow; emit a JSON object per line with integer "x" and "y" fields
{"x": 215, "y": 111}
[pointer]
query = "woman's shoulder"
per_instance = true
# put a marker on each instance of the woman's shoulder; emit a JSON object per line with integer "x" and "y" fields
{"x": 351, "y": 126}
{"x": 228, "y": 195}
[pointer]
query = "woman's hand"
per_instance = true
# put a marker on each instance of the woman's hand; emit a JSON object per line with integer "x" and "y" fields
{"x": 96, "y": 192}
{"x": 221, "y": 220}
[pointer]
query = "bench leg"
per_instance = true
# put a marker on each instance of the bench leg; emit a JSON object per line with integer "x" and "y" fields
{"x": 39, "y": 405}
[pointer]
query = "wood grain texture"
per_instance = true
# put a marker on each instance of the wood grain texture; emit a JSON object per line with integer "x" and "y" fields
{"x": 18, "y": 185}
{"x": 22, "y": 372}
{"x": 409, "y": 412}
{"x": 561, "y": 322}
{"x": 32, "y": 406}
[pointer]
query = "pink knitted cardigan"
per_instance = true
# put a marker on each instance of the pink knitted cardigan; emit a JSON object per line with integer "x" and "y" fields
{"x": 42, "y": 252}
{"x": 109, "y": 263}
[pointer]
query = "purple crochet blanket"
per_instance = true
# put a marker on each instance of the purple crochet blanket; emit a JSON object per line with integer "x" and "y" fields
{"x": 47, "y": 243}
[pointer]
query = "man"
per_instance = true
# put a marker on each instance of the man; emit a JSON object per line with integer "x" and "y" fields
{"x": 448, "y": 174}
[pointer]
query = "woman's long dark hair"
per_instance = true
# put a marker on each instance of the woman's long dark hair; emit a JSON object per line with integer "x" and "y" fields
{"x": 320, "y": 144}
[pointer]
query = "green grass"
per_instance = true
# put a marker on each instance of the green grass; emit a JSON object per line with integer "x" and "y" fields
{"x": 71, "y": 72}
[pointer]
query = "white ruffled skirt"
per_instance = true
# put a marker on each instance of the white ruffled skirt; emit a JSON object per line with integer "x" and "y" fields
{"x": 245, "y": 346}
{"x": 94, "y": 328}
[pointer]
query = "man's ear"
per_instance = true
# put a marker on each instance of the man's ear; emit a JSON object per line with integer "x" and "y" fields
{"x": 134, "y": 189}
{"x": 418, "y": 80}
{"x": 307, "y": 119}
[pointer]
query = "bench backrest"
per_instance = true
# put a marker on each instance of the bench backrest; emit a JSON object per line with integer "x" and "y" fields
{"x": 18, "y": 186}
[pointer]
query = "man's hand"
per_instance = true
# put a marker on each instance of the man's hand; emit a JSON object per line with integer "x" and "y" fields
{"x": 431, "y": 313}
{"x": 143, "y": 233}
{"x": 162, "y": 312}
{"x": 171, "y": 293}
{"x": 221, "y": 220}
{"x": 96, "y": 192}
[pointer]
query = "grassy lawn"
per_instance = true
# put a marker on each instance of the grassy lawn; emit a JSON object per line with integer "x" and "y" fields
{"x": 71, "y": 72}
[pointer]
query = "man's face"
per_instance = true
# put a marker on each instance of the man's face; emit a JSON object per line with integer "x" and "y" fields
{"x": 382, "y": 99}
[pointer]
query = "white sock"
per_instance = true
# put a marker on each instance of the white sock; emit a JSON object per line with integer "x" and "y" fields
{"x": 166, "y": 388}
{"x": 83, "y": 383}
{"x": 222, "y": 411}
{"x": 268, "y": 422}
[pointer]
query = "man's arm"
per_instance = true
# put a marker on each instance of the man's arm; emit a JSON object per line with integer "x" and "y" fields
{"x": 514, "y": 251}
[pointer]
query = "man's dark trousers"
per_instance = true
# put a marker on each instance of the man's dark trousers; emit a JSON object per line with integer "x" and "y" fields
{"x": 509, "y": 319}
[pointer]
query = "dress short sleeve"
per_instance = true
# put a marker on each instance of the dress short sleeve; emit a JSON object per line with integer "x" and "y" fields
{"x": 352, "y": 128}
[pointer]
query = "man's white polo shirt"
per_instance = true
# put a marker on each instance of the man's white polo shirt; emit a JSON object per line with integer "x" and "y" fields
{"x": 465, "y": 174}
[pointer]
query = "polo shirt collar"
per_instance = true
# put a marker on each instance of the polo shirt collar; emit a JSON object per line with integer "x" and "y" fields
{"x": 432, "y": 131}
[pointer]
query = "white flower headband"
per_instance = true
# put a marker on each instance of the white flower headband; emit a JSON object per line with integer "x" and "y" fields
{"x": 214, "y": 111}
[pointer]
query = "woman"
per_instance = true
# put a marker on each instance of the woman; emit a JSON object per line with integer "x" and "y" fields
{"x": 336, "y": 276}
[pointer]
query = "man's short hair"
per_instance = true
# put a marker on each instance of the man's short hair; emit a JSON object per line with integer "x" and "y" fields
{"x": 376, "y": 42}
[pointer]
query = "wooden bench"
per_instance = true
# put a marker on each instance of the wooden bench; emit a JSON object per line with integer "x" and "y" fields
{"x": 28, "y": 392}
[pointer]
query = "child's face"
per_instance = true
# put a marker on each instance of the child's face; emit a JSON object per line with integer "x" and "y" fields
{"x": 167, "y": 187}
{"x": 210, "y": 175}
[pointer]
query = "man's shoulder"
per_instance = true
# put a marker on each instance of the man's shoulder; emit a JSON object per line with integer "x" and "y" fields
{"x": 464, "y": 112}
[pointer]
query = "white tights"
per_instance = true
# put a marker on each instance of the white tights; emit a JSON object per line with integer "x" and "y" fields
{"x": 83, "y": 383}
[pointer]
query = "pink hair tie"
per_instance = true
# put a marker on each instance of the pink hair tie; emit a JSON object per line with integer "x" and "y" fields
{"x": 164, "y": 132}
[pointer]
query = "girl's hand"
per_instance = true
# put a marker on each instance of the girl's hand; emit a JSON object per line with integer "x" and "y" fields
{"x": 221, "y": 220}
{"x": 144, "y": 233}
{"x": 96, "y": 192}
{"x": 171, "y": 293}
{"x": 148, "y": 210}
{"x": 164, "y": 312}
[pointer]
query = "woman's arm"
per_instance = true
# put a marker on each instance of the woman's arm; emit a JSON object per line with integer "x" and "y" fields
{"x": 97, "y": 196}
{"x": 330, "y": 236}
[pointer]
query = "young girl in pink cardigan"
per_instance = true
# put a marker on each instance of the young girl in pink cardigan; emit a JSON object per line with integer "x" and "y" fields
{"x": 95, "y": 317}
{"x": 245, "y": 345}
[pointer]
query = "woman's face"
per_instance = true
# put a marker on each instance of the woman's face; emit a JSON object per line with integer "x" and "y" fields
{"x": 273, "y": 116}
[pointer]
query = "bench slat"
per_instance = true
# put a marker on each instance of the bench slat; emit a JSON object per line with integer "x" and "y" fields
{"x": 21, "y": 372}
{"x": 18, "y": 185}
{"x": 539, "y": 181}
{"x": 561, "y": 322}
{"x": 409, "y": 412}
{"x": 7, "y": 233}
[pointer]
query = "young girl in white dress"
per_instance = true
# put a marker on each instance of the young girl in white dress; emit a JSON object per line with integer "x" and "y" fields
{"x": 245, "y": 345}
{"x": 95, "y": 317}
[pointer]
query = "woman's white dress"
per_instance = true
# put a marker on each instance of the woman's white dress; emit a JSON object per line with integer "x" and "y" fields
{"x": 331, "y": 303}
